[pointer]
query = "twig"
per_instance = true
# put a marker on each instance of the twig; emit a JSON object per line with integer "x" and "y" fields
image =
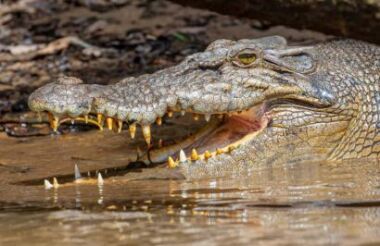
{"x": 29, "y": 52}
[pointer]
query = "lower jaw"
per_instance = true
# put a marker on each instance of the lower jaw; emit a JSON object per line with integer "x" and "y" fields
{"x": 215, "y": 138}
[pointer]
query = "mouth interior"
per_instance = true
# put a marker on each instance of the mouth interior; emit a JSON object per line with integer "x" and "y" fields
{"x": 232, "y": 129}
{"x": 222, "y": 133}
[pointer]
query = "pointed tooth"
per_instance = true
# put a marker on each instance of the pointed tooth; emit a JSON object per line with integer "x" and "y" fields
{"x": 132, "y": 130}
{"x": 100, "y": 179}
{"x": 182, "y": 156}
{"x": 47, "y": 184}
{"x": 183, "y": 112}
{"x": 160, "y": 143}
{"x": 159, "y": 121}
{"x": 194, "y": 155}
{"x": 207, "y": 117}
{"x": 172, "y": 163}
{"x": 119, "y": 126}
{"x": 207, "y": 155}
{"x": 99, "y": 118}
{"x": 146, "y": 133}
{"x": 231, "y": 148}
{"x": 55, "y": 183}
{"x": 109, "y": 121}
{"x": 220, "y": 116}
{"x": 72, "y": 121}
{"x": 219, "y": 151}
{"x": 54, "y": 122}
{"x": 86, "y": 119}
{"x": 77, "y": 174}
{"x": 196, "y": 117}
{"x": 170, "y": 114}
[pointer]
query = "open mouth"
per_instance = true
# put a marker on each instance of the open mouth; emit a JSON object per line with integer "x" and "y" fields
{"x": 216, "y": 134}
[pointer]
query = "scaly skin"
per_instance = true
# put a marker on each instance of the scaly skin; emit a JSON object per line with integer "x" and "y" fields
{"x": 311, "y": 103}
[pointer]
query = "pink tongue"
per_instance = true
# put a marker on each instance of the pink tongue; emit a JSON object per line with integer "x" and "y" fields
{"x": 235, "y": 128}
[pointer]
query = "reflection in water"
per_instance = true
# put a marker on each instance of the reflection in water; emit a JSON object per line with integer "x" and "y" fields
{"x": 100, "y": 187}
{"x": 329, "y": 204}
{"x": 77, "y": 196}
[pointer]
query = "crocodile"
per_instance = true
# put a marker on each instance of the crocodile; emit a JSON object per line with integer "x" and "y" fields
{"x": 262, "y": 101}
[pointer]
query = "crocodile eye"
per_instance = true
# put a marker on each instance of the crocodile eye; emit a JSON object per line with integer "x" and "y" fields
{"x": 246, "y": 58}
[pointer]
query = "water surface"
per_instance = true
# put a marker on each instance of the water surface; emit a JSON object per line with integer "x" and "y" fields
{"x": 327, "y": 203}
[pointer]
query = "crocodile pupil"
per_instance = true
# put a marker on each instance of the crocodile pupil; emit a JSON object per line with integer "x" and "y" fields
{"x": 247, "y": 59}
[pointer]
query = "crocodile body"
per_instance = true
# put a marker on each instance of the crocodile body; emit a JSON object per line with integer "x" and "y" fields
{"x": 268, "y": 102}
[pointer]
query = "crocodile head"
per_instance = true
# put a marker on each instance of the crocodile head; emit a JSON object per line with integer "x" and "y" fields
{"x": 261, "y": 100}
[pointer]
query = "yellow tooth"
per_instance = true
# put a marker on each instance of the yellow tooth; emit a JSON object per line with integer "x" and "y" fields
{"x": 170, "y": 114}
{"x": 132, "y": 130}
{"x": 54, "y": 122}
{"x": 172, "y": 163}
{"x": 219, "y": 151}
{"x": 220, "y": 116}
{"x": 146, "y": 133}
{"x": 196, "y": 117}
{"x": 194, "y": 155}
{"x": 86, "y": 119}
{"x": 159, "y": 121}
{"x": 207, "y": 155}
{"x": 119, "y": 125}
{"x": 231, "y": 148}
{"x": 109, "y": 123}
{"x": 100, "y": 119}
{"x": 160, "y": 143}
{"x": 55, "y": 183}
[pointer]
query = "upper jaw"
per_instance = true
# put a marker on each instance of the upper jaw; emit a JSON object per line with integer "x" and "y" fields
{"x": 146, "y": 99}
{"x": 141, "y": 100}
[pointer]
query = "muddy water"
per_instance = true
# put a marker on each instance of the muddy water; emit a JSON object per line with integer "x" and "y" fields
{"x": 327, "y": 203}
